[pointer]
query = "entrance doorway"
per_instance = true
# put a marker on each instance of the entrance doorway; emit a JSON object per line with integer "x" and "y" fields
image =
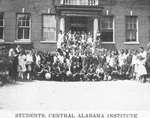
{"x": 78, "y": 29}
{"x": 78, "y": 24}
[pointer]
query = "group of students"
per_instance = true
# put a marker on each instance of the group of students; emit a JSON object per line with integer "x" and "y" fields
{"x": 79, "y": 57}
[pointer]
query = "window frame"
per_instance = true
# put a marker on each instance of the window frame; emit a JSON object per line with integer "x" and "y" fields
{"x": 137, "y": 31}
{"x": 2, "y": 40}
{"x": 113, "y": 29}
{"x": 30, "y": 28}
{"x": 55, "y": 39}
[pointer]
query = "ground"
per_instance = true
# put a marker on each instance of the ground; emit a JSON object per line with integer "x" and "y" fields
{"x": 47, "y": 95}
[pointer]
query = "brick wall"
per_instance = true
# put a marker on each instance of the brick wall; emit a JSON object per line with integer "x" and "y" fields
{"x": 39, "y": 7}
{"x": 122, "y": 9}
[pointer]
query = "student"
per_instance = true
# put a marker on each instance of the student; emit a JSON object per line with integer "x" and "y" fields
{"x": 121, "y": 58}
{"x": 60, "y": 39}
{"x": 29, "y": 64}
{"x": 98, "y": 39}
{"x": 129, "y": 61}
{"x": 38, "y": 71}
{"x": 12, "y": 56}
{"x": 141, "y": 72}
{"x": 22, "y": 64}
{"x": 47, "y": 71}
{"x": 124, "y": 70}
{"x": 148, "y": 64}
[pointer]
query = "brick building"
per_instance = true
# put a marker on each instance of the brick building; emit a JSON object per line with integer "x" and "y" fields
{"x": 36, "y": 23}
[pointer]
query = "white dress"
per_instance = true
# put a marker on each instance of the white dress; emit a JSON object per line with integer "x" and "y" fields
{"x": 121, "y": 59}
{"x": 90, "y": 39}
{"x": 60, "y": 40}
{"x": 61, "y": 58}
{"x": 29, "y": 58}
{"x": 22, "y": 63}
{"x": 141, "y": 70}
{"x": 38, "y": 58}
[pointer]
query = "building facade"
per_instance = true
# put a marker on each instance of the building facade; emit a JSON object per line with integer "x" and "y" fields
{"x": 36, "y": 23}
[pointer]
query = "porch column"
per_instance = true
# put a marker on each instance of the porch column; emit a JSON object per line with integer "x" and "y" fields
{"x": 62, "y": 24}
{"x": 61, "y": 2}
{"x": 95, "y": 27}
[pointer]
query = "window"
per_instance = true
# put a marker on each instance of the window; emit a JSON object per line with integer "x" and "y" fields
{"x": 49, "y": 28}
{"x": 131, "y": 29}
{"x": 1, "y": 25}
{"x": 107, "y": 29}
{"x": 23, "y": 26}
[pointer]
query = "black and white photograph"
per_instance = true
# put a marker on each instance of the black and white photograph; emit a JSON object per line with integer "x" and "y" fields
{"x": 75, "y": 55}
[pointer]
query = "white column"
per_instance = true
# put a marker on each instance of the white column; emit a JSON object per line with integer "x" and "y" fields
{"x": 95, "y": 27}
{"x": 61, "y": 2}
{"x": 96, "y": 2}
{"x": 62, "y": 24}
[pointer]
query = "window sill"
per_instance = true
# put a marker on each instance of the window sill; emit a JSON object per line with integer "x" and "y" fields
{"x": 48, "y": 42}
{"x": 2, "y": 41}
{"x": 108, "y": 42}
{"x": 23, "y": 41}
{"x": 131, "y": 43}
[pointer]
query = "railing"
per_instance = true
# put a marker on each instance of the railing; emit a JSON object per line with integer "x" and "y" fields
{"x": 80, "y": 2}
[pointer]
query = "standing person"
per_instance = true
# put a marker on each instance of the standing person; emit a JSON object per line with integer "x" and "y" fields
{"x": 129, "y": 61}
{"x": 18, "y": 49}
{"x": 148, "y": 62}
{"x": 134, "y": 64}
{"x": 29, "y": 63}
{"x": 22, "y": 64}
{"x": 141, "y": 65}
{"x": 121, "y": 58}
{"x": 60, "y": 39}
{"x": 89, "y": 38}
{"x": 98, "y": 39}
{"x": 12, "y": 62}
{"x": 36, "y": 57}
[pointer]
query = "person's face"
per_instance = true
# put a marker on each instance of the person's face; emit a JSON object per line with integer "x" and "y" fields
{"x": 121, "y": 51}
{"x": 141, "y": 50}
{"x": 126, "y": 51}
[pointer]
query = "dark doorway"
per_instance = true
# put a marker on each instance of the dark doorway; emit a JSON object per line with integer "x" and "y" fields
{"x": 78, "y": 29}
{"x": 78, "y": 24}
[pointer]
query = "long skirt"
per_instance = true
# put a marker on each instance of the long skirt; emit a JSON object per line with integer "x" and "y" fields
{"x": 141, "y": 70}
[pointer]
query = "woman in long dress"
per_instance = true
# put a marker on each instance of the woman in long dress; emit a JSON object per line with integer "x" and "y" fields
{"x": 60, "y": 40}
{"x": 141, "y": 59}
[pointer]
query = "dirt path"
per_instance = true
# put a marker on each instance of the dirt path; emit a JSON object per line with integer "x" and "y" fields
{"x": 44, "y": 95}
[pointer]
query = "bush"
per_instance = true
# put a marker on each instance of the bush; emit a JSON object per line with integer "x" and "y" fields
{"x": 4, "y": 63}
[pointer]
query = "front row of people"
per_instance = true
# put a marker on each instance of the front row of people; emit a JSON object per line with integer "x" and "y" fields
{"x": 66, "y": 66}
